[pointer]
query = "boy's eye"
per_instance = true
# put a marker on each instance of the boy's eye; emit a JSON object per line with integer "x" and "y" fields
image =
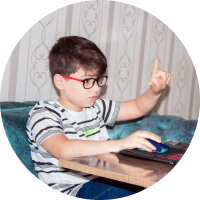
{"x": 88, "y": 83}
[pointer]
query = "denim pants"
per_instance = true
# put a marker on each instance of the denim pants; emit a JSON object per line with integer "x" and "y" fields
{"x": 103, "y": 188}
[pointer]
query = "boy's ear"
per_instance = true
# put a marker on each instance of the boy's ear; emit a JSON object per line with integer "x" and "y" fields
{"x": 59, "y": 81}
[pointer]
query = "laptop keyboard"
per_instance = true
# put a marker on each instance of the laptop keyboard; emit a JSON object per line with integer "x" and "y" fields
{"x": 172, "y": 156}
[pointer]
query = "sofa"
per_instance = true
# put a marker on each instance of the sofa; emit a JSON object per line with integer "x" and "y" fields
{"x": 170, "y": 128}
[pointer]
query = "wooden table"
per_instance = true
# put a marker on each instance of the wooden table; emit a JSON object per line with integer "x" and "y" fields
{"x": 137, "y": 171}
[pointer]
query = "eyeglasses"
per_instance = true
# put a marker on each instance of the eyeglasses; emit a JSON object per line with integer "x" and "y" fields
{"x": 89, "y": 82}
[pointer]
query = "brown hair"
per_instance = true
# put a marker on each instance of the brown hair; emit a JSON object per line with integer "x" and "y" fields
{"x": 70, "y": 53}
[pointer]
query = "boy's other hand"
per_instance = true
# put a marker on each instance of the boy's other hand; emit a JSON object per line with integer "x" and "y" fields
{"x": 138, "y": 140}
{"x": 159, "y": 79}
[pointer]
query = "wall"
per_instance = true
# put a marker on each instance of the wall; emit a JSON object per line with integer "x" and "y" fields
{"x": 131, "y": 40}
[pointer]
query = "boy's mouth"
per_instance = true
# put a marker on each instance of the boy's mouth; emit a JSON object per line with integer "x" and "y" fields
{"x": 93, "y": 97}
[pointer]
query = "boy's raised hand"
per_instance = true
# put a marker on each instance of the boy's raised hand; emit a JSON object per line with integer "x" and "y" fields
{"x": 159, "y": 79}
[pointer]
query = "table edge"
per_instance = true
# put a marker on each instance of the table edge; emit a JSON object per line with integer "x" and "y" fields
{"x": 106, "y": 174}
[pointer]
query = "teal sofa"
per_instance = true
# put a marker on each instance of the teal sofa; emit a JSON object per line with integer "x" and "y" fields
{"x": 14, "y": 116}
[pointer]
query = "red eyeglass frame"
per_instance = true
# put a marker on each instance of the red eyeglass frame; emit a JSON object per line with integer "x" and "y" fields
{"x": 76, "y": 79}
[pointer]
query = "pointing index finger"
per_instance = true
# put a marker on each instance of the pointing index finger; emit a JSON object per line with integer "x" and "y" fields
{"x": 155, "y": 68}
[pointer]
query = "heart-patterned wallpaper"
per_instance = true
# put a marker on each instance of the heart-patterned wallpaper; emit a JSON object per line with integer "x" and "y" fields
{"x": 131, "y": 39}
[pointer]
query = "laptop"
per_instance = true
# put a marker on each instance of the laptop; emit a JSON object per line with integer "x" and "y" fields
{"x": 172, "y": 156}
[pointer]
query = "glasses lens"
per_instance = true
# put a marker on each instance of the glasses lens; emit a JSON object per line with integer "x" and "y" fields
{"x": 88, "y": 83}
{"x": 102, "y": 81}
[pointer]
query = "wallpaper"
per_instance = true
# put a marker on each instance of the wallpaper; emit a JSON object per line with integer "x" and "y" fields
{"x": 130, "y": 38}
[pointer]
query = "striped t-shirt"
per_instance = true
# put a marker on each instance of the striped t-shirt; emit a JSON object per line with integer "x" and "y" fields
{"x": 48, "y": 118}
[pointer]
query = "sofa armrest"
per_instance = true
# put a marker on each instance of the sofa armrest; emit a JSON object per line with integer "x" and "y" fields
{"x": 14, "y": 117}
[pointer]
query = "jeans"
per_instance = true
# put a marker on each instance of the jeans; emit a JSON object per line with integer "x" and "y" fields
{"x": 103, "y": 188}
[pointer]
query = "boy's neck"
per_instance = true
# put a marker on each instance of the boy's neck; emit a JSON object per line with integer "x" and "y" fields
{"x": 69, "y": 106}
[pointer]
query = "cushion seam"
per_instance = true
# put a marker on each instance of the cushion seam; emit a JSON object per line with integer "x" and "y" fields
{"x": 15, "y": 132}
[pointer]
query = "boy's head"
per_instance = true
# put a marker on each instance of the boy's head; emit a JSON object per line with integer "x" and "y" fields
{"x": 71, "y": 53}
{"x": 83, "y": 61}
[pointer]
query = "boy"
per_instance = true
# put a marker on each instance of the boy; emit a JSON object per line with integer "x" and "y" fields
{"x": 75, "y": 124}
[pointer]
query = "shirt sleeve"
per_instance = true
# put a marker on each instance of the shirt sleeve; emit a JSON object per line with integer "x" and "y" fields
{"x": 44, "y": 122}
{"x": 109, "y": 110}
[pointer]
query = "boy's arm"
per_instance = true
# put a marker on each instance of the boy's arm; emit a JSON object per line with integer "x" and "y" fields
{"x": 62, "y": 148}
{"x": 146, "y": 102}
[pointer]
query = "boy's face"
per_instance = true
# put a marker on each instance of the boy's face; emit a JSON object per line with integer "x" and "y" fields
{"x": 74, "y": 96}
